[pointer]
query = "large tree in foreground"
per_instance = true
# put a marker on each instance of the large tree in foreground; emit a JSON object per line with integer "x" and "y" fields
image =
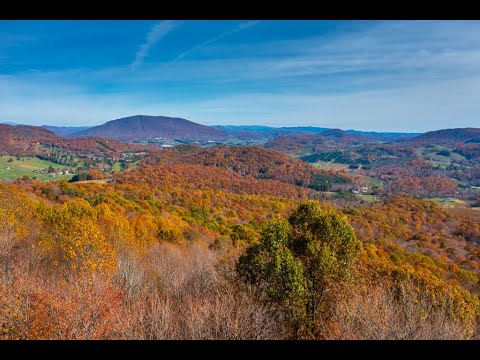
{"x": 299, "y": 262}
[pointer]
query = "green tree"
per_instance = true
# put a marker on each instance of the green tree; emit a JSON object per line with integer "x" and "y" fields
{"x": 81, "y": 176}
{"x": 299, "y": 263}
{"x": 242, "y": 233}
{"x": 444, "y": 152}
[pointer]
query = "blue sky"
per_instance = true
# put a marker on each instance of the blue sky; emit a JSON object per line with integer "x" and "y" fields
{"x": 365, "y": 75}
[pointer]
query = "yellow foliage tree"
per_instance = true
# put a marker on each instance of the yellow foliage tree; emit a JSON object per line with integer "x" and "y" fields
{"x": 72, "y": 237}
{"x": 169, "y": 229}
{"x": 16, "y": 216}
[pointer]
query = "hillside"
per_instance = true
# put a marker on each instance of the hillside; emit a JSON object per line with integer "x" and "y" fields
{"x": 447, "y": 137}
{"x": 25, "y": 140}
{"x": 24, "y": 132}
{"x": 154, "y": 255}
{"x": 257, "y": 162}
{"x": 143, "y": 127}
{"x": 345, "y": 136}
{"x": 325, "y": 141}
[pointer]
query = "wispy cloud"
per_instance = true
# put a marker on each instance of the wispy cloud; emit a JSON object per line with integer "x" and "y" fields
{"x": 240, "y": 27}
{"x": 157, "y": 32}
{"x": 410, "y": 76}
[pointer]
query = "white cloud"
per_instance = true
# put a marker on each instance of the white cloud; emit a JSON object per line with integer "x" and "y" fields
{"x": 240, "y": 27}
{"x": 157, "y": 32}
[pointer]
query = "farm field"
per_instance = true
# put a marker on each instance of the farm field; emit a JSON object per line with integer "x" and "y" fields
{"x": 28, "y": 166}
{"x": 368, "y": 198}
{"x": 457, "y": 206}
{"x": 324, "y": 165}
{"x": 132, "y": 165}
{"x": 372, "y": 182}
{"x": 439, "y": 154}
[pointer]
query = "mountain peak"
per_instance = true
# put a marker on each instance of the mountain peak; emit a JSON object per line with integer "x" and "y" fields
{"x": 148, "y": 127}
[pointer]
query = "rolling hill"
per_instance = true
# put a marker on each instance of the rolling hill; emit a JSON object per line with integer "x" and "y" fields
{"x": 25, "y": 140}
{"x": 144, "y": 127}
{"x": 447, "y": 137}
{"x": 254, "y": 161}
{"x": 337, "y": 134}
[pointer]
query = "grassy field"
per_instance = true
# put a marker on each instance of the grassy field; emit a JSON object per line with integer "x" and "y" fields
{"x": 445, "y": 201}
{"x": 330, "y": 165}
{"x": 133, "y": 165}
{"x": 372, "y": 182}
{"x": 15, "y": 169}
{"x": 367, "y": 198}
{"x": 116, "y": 167}
{"x": 306, "y": 150}
{"x": 459, "y": 207}
{"x": 432, "y": 153}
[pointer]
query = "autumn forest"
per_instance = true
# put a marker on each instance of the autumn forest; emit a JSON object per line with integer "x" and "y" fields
{"x": 287, "y": 236}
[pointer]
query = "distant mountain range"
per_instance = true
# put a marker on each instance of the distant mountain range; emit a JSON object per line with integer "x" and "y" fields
{"x": 270, "y": 129}
{"x": 65, "y": 131}
{"x": 255, "y": 132}
{"x": 9, "y": 123}
{"x": 144, "y": 127}
{"x": 383, "y": 135}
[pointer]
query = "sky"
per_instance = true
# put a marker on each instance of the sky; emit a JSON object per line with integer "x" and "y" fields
{"x": 408, "y": 76}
